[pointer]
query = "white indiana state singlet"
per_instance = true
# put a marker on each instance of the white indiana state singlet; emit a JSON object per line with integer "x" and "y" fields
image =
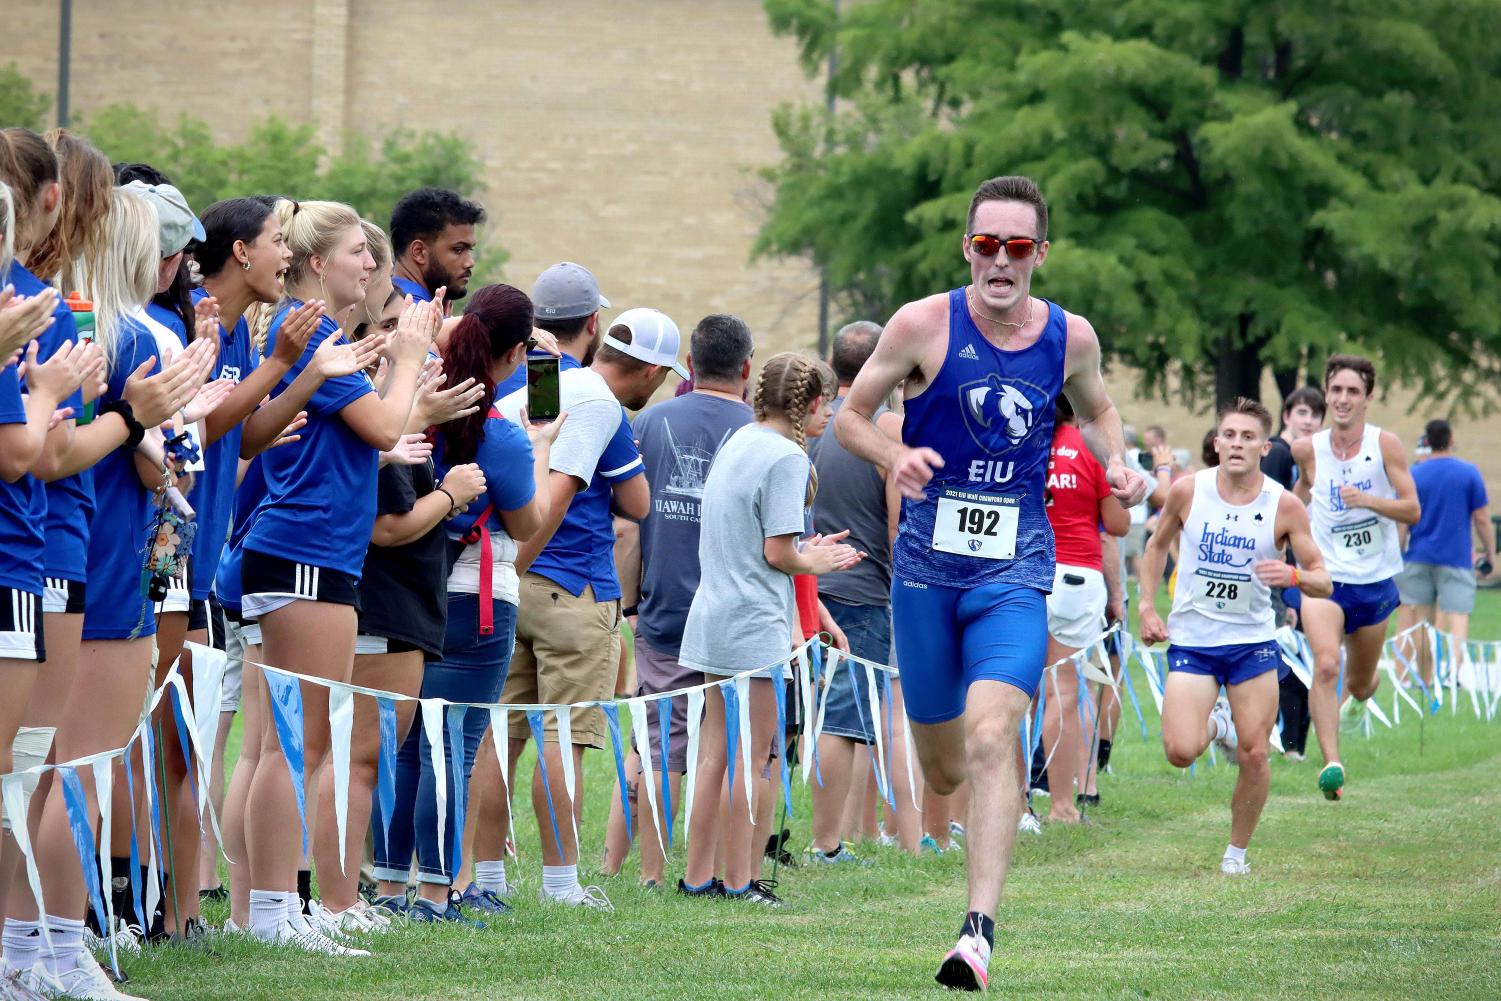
{"x": 1218, "y": 600}
{"x": 1359, "y": 545}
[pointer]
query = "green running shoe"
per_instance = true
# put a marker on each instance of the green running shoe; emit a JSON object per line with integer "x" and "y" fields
{"x": 1332, "y": 780}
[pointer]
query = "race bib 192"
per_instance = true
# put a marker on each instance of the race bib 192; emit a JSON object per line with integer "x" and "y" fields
{"x": 974, "y": 524}
{"x": 1218, "y": 591}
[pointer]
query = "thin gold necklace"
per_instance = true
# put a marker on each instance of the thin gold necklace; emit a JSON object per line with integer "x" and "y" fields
{"x": 969, "y": 295}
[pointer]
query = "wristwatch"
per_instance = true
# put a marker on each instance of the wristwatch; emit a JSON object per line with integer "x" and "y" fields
{"x": 135, "y": 430}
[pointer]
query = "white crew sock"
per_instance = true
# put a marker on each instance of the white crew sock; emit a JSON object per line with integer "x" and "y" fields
{"x": 60, "y": 952}
{"x": 561, "y": 882}
{"x": 22, "y": 943}
{"x": 295, "y": 917}
{"x": 1217, "y": 729}
{"x": 268, "y": 912}
{"x": 492, "y": 876}
{"x": 1234, "y": 854}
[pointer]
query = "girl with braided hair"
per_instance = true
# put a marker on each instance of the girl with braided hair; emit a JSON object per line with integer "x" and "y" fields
{"x": 744, "y": 616}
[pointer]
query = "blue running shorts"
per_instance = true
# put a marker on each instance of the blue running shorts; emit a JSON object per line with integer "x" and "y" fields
{"x": 948, "y": 638}
{"x": 1366, "y": 604}
{"x": 1230, "y": 664}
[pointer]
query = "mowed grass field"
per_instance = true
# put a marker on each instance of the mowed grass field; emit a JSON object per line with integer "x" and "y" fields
{"x": 1395, "y": 892}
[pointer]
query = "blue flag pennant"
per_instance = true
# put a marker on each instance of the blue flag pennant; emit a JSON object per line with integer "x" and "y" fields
{"x": 83, "y": 838}
{"x": 612, "y": 723}
{"x": 664, "y": 726}
{"x": 534, "y": 720}
{"x": 286, "y": 712}
{"x": 385, "y": 774}
{"x": 456, "y": 755}
{"x": 780, "y": 691}
{"x": 174, "y": 694}
{"x": 731, "y": 731}
{"x": 135, "y": 847}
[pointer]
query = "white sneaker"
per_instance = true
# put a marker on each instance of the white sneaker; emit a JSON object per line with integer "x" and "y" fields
{"x": 35, "y": 984}
{"x": 967, "y": 965}
{"x": 1294, "y": 756}
{"x": 887, "y": 840}
{"x": 230, "y": 928}
{"x": 582, "y": 896}
{"x": 89, "y": 981}
{"x": 956, "y": 830}
{"x": 340, "y": 927}
{"x": 1230, "y": 867}
{"x": 127, "y": 938}
{"x": 375, "y": 919}
{"x": 313, "y": 940}
{"x": 1029, "y": 824}
{"x": 1230, "y": 742}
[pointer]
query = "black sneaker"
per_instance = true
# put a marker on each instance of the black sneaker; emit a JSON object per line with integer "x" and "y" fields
{"x": 1087, "y": 799}
{"x": 714, "y": 889}
{"x": 776, "y": 849}
{"x": 758, "y": 892}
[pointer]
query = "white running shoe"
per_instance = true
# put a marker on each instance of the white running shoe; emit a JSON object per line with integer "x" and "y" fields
{"x": 583, "y": 896}
{"x": 35, "y": 984}
{"x": 88, "y": 981}
{"x": 1029, "y": 824}
{"x": 375, "y": 919}
{"x": 967, "y": 965}
{"x": 887, "y": 840}
{"x": 1230, "y": 867}
{"x": 127, "y": 938}
{"x": 1230, "y": 742}
{"x": 311, "y": 940}
{"x": 341, "y": 927}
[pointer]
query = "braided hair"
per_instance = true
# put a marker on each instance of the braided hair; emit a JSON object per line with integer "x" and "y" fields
{"x": 787, "y": 384}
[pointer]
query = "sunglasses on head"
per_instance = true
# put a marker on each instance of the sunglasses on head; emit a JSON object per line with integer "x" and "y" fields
{"x": 1018, "y": 248}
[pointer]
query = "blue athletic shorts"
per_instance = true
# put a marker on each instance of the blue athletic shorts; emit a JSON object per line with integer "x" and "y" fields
{"x": 1366, "y": 604}
{"x": 947, "y": 638}
{"x": 1230, "y": 664}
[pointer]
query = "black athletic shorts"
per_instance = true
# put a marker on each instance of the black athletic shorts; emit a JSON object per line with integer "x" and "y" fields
{"x": 270, "y": 582}
{"x": 21, "y": 626}
{"x": 61, "y": 596}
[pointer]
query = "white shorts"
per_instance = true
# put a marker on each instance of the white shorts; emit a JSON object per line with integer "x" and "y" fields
{"x": 1076, "y": 608}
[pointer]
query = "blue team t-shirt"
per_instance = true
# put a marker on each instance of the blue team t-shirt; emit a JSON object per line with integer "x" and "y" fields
{"x": 1450, "y": 490}
{"x": 505, "y": 456}
{"x": 115, "y": 608}
{"x": 319, "y": 507}
{"x": 247, "y": 498}
{"x": 214, "y": 491}
{"x": 20, "y": 535}
{"x": 169, "y": 318}
{"x": 408, "y": 287}
{"x": 63, "y": 507}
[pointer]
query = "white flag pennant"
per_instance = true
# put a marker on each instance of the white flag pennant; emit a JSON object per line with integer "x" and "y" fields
{"x": 641, "y": 737}
{"x": 340, "y": 730}
{"x": 432, "y": 727}
{"x": 570, "y": 780}
{"x": 803, "y": 665}
{"x": 695, "y": 721}
{"x": 13, "y": 796}
{"x": 500, "y": 729}
{"x": 883, "y": 772}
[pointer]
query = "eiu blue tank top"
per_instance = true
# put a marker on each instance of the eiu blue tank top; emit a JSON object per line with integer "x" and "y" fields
{"x": 989, "y": 414}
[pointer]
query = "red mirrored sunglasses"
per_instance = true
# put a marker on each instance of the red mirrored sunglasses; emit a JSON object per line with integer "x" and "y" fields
{"x": 1018, "y": 248}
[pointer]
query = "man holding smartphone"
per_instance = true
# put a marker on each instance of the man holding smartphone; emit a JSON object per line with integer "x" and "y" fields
{"x": 570, "y": 593}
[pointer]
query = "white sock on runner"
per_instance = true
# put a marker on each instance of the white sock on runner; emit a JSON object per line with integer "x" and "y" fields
{"x": 1234, "y": 854}
{"x": 268, "y": 912}
{"x": 60, "y": 953}
{"x": 492, "y": 876}
{"x": 22, "y": 943}
{"x": 561, "y": 881}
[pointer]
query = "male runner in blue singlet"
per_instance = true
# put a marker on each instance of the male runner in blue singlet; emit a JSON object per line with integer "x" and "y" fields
{"x": 973, "y": 562}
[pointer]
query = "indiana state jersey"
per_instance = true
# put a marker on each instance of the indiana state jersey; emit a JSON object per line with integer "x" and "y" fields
{"x": 989, "y": 413}
{"x": 1218, "y": 600}
{"x": 1359, "y": 545}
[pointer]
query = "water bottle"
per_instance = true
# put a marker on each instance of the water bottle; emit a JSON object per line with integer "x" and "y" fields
{"x": 83, "y": 319}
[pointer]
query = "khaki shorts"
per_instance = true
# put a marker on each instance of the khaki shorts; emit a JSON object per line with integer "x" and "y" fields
{"x": 567, "y": 650}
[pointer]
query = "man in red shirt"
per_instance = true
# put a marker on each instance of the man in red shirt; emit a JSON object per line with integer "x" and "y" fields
{"x": 1079, "y": 504}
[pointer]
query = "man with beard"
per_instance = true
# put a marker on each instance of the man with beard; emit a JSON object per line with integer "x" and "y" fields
{"x": 432, "y": 232}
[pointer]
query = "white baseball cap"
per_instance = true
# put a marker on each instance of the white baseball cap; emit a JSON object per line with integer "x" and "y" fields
{"x": 654, "y": 338}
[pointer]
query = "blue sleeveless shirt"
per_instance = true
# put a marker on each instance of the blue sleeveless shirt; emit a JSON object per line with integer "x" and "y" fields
{"x": 989, "y": 413}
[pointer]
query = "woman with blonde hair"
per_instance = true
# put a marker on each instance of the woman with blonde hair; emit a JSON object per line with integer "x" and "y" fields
{"x": 113, "y": 674}
{"x": 744, "y": 614}
{"x": 306, "y": 546}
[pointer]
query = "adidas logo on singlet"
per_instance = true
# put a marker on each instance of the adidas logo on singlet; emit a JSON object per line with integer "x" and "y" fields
{"x": 969, "y": 352}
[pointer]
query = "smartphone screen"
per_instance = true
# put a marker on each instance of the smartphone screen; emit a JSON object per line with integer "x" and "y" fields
{"x": 543, "y": 403}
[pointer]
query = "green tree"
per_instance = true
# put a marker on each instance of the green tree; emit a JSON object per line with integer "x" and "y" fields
{"x": 1233, "y": 184}
{"x": 20, "y": 104}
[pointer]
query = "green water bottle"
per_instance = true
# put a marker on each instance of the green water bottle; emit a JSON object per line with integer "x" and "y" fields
{"x": 83, "y": 319}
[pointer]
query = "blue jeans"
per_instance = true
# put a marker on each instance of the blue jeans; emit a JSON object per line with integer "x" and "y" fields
{"x": 868, "y": 628}
{"x": 473, "y": 669}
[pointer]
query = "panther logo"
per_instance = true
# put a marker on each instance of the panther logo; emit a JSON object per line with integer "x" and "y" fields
{"x": 1001, "y": 415}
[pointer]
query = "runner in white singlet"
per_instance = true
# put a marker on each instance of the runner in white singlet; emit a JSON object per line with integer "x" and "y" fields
{"x": 1355, "y": 479}
{"x": 1235, "y": 524}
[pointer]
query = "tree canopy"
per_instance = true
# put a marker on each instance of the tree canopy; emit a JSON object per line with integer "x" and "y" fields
{"x": 1232, "y": 184}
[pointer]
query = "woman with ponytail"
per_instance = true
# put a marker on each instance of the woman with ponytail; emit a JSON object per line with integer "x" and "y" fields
{"x": 744, "y": 615}
{"x": 306, "y": 544}
{"x": 487, "y": 346}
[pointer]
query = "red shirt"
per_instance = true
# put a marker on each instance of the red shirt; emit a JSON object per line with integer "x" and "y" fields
{"x": 805, "y": 587}
{"x": 1076, "y": 485}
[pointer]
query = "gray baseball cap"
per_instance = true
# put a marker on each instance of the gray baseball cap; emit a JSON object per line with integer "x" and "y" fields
{"x": 566, "y": 291}
{"x": 176, "y": 223}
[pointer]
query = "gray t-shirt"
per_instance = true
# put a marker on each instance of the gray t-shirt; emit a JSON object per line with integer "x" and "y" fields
{"x": 741, "y": 617}
{"x": 679, "y": 439}
{"x": 852, "y": 495}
